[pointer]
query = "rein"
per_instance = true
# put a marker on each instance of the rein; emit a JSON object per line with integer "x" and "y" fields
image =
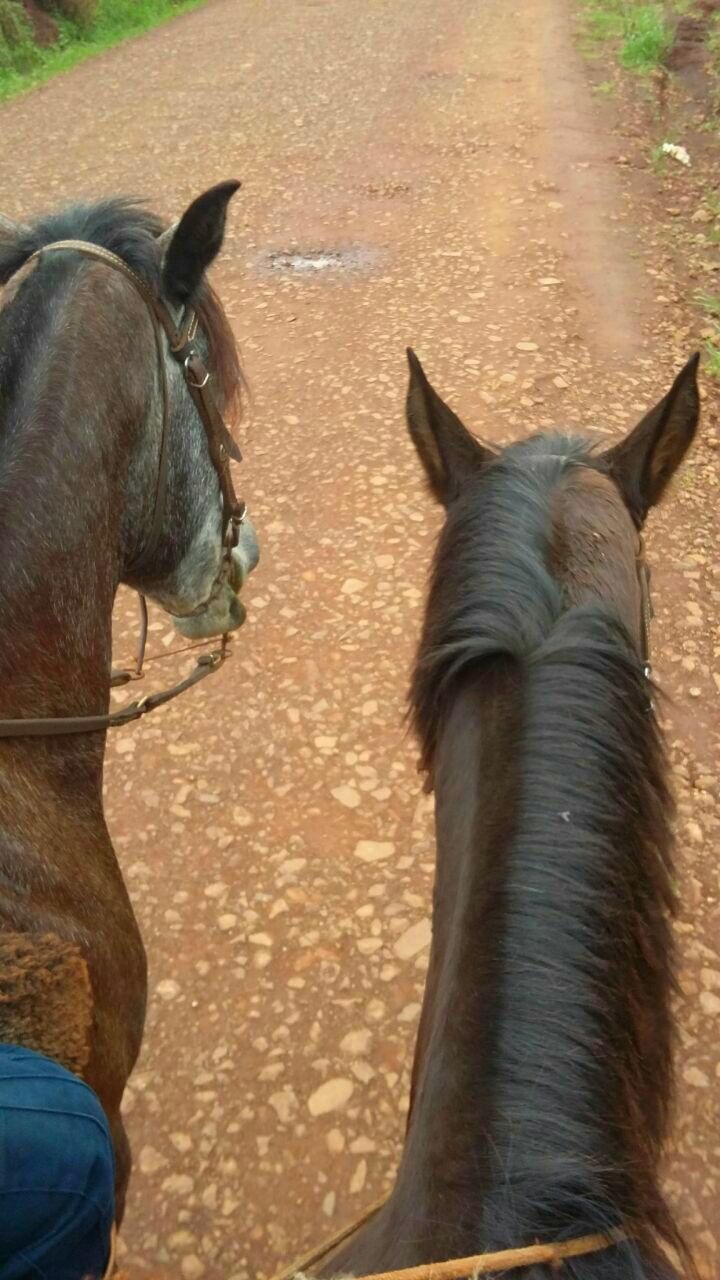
{"x": 221, "y": 446}
{"x": 461, "y": 1268}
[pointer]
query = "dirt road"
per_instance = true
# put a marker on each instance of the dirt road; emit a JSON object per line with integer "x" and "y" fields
{"x": 271, "y": 825}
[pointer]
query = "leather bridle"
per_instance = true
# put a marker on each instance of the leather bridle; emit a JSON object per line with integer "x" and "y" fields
{"x": 646, "y": 610}
{"x": 182, "y": 343}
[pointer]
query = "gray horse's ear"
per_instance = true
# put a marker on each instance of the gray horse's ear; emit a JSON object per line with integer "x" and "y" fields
{"x": 449, "y": 453}
{"x": 165, "y": 238}
{"x": 10, "y": 230}
{"x": 643, "y": 464}
{"x": 195, "y": 242}
{"x": 16, "y": 245}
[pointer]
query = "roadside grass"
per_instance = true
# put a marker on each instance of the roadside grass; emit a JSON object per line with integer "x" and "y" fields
{"x": 710, "y": 304}
{"x": 18, "y": 51}
{"x": 712, "y": 356}
{"x": 639, "y": 31}
{"x": 23, "y": 64}
{"x": 640, "y": 36}
{"x": 658, "y": 160}
{"x": 713, "y": 48}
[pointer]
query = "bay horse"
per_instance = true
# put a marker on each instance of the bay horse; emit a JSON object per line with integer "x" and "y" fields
{"x": 542, "y": 1073}
{"x": 107, "y": 476}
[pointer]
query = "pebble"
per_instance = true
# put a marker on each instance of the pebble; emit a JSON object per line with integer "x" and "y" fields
{"x": 356, "y": 1043}
{"x": 409, "y": 1013}
{"x": 347, "y": 796}
{"x": 357, "y": 1182}
{"x": 413, "y": 940}
{"x": 182, "y": 1239}
{"x": 696, "y": 1077}
{"x": 151, "y": 1161}
{"x": 374, "y": 850}
{"x": 178, "y": 1184}
{"x": 331, "y": 1096}
{"x": 192, "y": 1267}
{"x": 168, "y": 989}
{"x": 181, "y": 1141}
{"x": 284, "y": 1104}
{"x": 335, "y": 1142}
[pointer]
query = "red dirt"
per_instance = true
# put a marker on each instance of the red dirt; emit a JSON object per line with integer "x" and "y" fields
{"x": 517, "y": 245}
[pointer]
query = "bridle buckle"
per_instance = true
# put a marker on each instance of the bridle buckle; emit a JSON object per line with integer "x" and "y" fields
{"x": 188, "y": 363}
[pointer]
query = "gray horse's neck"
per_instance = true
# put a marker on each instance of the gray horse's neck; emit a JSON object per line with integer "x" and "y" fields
{"x": 69, "y": 483}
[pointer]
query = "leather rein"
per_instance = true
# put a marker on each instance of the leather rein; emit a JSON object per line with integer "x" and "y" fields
{"x": 184, "y": 350}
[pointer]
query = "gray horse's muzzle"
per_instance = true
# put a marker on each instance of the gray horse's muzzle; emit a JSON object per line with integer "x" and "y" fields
{"x": 226, "y": 612}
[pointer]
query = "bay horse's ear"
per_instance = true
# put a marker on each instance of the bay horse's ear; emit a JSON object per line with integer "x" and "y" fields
{"x": 191, "y": 246}
{"x": 448, "y": 452}
{"x": 643, "y": 464}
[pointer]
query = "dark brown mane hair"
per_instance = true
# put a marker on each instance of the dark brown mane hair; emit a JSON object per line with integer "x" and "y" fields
{"x": 574, "y": 915}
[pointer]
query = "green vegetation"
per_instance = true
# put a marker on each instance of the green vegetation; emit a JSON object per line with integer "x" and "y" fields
{"x": 640, "y": 31}
{"x": 658, "y": 160}
{"x": 84, "y": 27}
{"x": 712, "y": 356}
{"x": 713, "y": 47}
{"x": 18, "y": 51}
{"x": 710, "y": 304}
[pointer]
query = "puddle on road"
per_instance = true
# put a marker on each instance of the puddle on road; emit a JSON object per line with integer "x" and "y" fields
{"x": 310, "y": 262}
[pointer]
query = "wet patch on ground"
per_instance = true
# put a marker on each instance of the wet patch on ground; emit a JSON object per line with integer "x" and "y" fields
{"x": 316, "y": 262}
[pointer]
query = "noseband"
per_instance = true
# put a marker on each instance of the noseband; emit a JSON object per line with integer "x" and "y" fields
{"x": 221, "y": 446}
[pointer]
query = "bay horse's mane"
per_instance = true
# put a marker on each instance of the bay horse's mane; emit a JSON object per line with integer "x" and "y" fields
{"x": 126, "y": 228}
{"x": 571, "y": 1065}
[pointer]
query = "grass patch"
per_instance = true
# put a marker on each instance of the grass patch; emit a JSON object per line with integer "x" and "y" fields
{"x": 18, "y": 51}
{"x": 646, "y": 41}
{"x": 640, "y": 31}
{"x": 23, "y": 64}
{"x": 712, "y": 356}
{"x": 710, "y": 303}
{"x": 658, "y": 160}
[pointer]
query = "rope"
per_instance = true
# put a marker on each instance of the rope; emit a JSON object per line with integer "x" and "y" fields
{"x": 461, "y": 1268}
{"x": 481, "y": 1264}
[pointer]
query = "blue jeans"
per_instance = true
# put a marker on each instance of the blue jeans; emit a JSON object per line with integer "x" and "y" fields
{"x": 56, "y": 1172}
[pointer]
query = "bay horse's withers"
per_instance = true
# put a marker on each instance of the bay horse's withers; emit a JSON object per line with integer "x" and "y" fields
{"x": 83, "y": 407}
{"x": 542, "y": 1074}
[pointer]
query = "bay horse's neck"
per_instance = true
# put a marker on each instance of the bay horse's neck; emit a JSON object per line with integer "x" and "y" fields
{"x": 548, "y": 982}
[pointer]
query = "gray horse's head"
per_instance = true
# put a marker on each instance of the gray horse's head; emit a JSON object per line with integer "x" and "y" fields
{"x": 194, "y": 577}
